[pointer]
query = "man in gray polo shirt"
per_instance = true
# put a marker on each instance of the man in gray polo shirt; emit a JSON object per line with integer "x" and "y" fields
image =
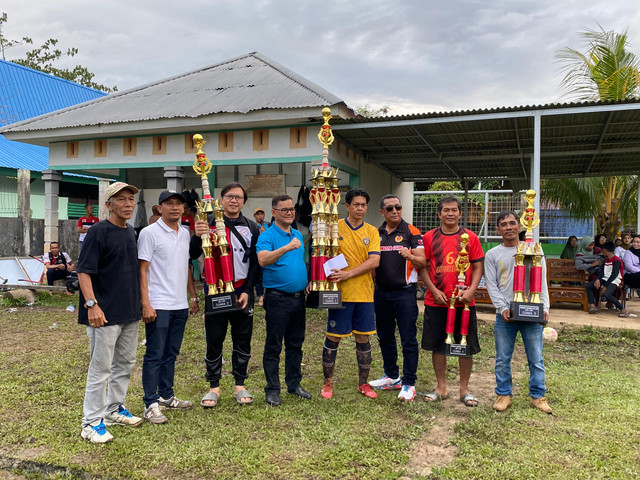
{"x": 163, "y": 257}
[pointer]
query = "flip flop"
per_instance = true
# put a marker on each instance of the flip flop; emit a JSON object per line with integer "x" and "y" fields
{"x": 241, "y": 395}
{"x": 434, "y": 397}
{"x": 210, "y": 397}
{"x": 623, "y": 313}
{"x": 469, "y": 400}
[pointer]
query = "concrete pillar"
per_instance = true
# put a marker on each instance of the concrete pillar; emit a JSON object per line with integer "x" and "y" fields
{"x": 103, "y": 212}
{"x": 175, "y": 178}
{"x": 51, "y": 180}
{"x": 24, "y": 208}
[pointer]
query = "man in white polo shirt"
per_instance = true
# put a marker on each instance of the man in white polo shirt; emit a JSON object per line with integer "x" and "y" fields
{"x": 163, "y": 257}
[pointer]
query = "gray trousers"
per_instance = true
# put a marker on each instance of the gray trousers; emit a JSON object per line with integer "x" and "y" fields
{"x": 112, "y": 356}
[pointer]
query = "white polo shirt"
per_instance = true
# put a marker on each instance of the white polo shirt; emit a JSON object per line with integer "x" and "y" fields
{"x": 167, "y": 252}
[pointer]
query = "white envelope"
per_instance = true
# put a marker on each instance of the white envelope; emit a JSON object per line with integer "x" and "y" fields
{"x": 335, "y": 263}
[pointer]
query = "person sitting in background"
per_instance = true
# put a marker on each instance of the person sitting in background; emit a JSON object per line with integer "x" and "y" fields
{"x": 632, "y": 264}
{"x": 570, "y": 248}
{"x": 600, "y": 240}
{"x": 58, "y": 263}
{"x": 586, "y": 259}
{"x": 608, "y": 281}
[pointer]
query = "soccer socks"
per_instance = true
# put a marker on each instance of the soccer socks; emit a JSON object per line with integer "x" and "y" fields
{"x": 329, "y": 354}
{"x": 363, "y": 354}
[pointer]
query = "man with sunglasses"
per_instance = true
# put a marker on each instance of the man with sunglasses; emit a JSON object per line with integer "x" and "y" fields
{"x": 281, "y": 256}
{"x": 401, "y": 257}
{"x": 242, "y": 235}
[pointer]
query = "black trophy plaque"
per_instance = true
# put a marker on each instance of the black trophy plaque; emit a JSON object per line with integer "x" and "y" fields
{"x": 527, "y": 312}
{"x": 454, "y": 350}
{"x": 327, "y": 299}
{"x": 220, "y": 303}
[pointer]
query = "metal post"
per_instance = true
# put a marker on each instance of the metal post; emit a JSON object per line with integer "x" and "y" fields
{"x": 465, "y": 215}
{"x": 486, "y": 215}
{"x": 535, "y": 168}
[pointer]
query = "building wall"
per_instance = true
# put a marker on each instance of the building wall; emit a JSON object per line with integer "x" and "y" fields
{"x": 9, "y": 199}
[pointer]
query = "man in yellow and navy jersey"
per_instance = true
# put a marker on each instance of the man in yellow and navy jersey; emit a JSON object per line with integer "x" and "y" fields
{"x": 360, "y": 244}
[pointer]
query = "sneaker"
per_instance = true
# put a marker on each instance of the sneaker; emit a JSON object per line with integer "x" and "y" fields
{"x": 327, "y": 391}
{"x": 174, "y": 403}
{"x": 541, "y": 404}
{"x": 154, "y": 415}
{"x": 386, "y": 383}
{"x": 96, "y": 433}
{"x": 366, "y": 390}
{"x": 122, "y": 416}
{"x": 407, "y": 394}
{"x": 502, "y": 403}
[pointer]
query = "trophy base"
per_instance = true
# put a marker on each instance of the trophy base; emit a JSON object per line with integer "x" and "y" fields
{"x": 454, "y": 350}
{"x": 527, "y": 312}
{"x": 220, "y": 303}
{"x": 324, "y": 300}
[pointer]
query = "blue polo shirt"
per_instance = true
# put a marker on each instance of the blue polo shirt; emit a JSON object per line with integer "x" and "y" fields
{"x": 289, "y": 272}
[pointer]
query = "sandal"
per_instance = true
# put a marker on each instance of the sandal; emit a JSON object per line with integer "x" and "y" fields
{"x": 623, "y": 313}
{"x": 469, "y": 400}
{"x": 210, "y": 397}
{"x": 241, "y": 395}
{"x": 434, "y": 397}
{"x": 593, "y": 310}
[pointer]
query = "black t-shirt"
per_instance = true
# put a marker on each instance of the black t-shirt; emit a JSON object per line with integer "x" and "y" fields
{"x": 110, "y": 255}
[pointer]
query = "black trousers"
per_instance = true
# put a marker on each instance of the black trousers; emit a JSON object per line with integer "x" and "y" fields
{"x": 54, "y": 274}
{"x": 285, "y": 319}
{"x": 215, "y": 328}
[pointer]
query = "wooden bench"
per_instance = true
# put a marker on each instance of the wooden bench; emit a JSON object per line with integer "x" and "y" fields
{"x": 565, "y": 283}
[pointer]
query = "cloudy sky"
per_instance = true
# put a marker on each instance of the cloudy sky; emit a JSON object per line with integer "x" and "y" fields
{"x": 413, "y": 55}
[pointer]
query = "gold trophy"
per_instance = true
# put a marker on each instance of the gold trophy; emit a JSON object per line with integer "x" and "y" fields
{"x": 325, "y": 197}
{"x": 462, "y": 265}
{"x": 528, "y": 308}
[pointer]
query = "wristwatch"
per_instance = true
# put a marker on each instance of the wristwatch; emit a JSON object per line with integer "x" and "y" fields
{"x": 92, "y": 302}
{"x": 194, "y": 299}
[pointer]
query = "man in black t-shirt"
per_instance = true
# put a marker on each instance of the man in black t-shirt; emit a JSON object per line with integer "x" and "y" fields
{"x": 110, "y": 308}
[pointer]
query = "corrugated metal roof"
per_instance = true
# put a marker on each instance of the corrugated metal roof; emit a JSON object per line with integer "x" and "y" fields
{"x": 240, "y": 85}
{"x": 583, "y": 139}
{"x": 27, "y": 93}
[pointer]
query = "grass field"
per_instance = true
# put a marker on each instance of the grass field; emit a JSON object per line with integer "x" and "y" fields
{"x": 592, "y": 378}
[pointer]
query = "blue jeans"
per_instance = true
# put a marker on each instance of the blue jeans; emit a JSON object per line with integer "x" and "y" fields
{"x": 164, "y": 339}
{"x": 505, "y": 336}
{"x": 398, "y": 307}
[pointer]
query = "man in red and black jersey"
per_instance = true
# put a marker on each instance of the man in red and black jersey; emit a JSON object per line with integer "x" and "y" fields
{"x": 441, "y": 247}
{"x": 401, "y": 257}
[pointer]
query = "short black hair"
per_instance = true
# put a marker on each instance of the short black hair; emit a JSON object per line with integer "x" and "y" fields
{"x": 609, "y": 246}
{"x": 277, "y": 199}
{"x": 231, "y": 186}
{"x": 356, "y": 192}
{"x": 387, "y": 197}
{"x": 449, "y": 199}
{"x": 52, "y": 243}
{"x": 504, "y": 215}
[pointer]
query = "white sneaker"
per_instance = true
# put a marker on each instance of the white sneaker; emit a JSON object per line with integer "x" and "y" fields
{"x": 386, "y": 383}
{"x": 174, "y": 403}
{"x": 96, "y": 433}
{"x": 154, "y": 415}
{"x": 407, "y": 394}
{"x": 122, "y": 416}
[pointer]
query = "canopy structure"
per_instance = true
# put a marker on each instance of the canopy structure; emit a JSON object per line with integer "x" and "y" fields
{"x": 521, "y": 144}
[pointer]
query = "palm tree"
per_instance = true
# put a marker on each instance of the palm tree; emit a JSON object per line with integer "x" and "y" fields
{"x": 608, "y": 71}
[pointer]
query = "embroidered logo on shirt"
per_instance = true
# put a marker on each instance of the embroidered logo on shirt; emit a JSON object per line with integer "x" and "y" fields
{"x": 398, "y": 238}
{"x": 365, "y": 240}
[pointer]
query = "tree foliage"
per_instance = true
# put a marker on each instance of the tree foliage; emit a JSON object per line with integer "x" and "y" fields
{"x": 369, "y": 111}
{"x": 43, "y": 58}
{"x": 606, "y": 71}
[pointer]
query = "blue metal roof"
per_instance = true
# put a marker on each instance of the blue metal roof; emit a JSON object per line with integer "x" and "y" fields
{"x": 27, "y": 93}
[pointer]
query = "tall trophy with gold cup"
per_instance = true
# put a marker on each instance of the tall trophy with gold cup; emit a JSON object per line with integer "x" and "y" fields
{"x": 528, "y": 307}
{"x": 218, "y": 267}
{"x": 452, "y": 349}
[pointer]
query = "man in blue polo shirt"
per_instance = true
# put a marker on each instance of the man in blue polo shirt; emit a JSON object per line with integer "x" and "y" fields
{"x": 284, "y": 275}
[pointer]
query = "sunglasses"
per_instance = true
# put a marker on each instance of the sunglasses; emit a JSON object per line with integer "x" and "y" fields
{"x": 389, "y": 208}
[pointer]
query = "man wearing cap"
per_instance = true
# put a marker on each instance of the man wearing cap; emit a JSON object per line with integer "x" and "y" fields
{"x": 281, "y": 256}
{"x": 242, "y": 235}
{"x": 109, "y": 306}
{"x": 163, "y": 258}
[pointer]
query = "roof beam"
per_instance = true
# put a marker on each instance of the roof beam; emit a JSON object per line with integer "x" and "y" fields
{"x": 515, "y": 129}
{"x": 595, "y": 154}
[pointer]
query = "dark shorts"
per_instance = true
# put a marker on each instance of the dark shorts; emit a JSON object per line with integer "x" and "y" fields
{"x": 354, "y": 317}
{"x": 435, "y": 325}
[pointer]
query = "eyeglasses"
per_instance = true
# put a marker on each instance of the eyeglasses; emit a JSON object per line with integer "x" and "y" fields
{"x": 389, "y": 208}
{"x": 285, "y": 210}
{"x": 237, "y": 198}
